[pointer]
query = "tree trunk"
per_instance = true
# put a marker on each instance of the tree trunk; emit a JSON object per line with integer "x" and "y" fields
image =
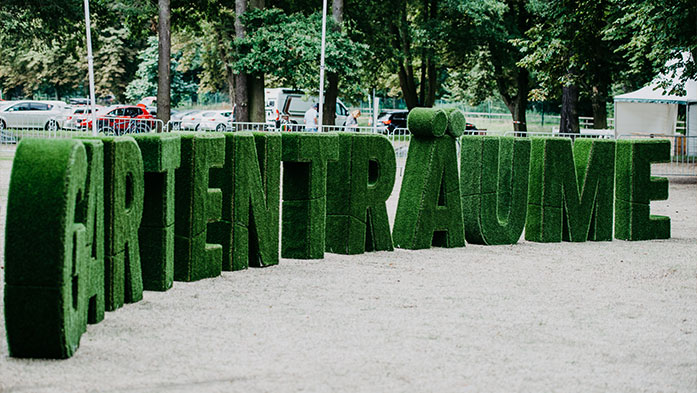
{"x": 569, "y": 110}
{"x": 164, "y": 59}
{"x": 521, "y": 101}
{"x": 241, "y": 96}
{"x": 329, "y": 105}
{"x": 255, "y": 84}
{"x": 599, "y": 103}
{"x": 405, "y": 72}
{"x": 257, "y": 113}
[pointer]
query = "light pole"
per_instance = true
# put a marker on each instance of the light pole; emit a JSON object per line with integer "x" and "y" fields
{"x": 321, "y": 65}
{"x": 90, "y": 66}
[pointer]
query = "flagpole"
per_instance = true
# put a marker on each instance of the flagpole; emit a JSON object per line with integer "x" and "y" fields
{"x": 321, "y": 66}
{"x": 90, "y": 66}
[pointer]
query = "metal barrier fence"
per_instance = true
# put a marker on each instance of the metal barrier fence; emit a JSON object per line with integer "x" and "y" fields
{"x": 585, "y": 134}
{"x": 683, "y": 154}
{"x": 12, "y": 133}
{"x": 683, "y": 148}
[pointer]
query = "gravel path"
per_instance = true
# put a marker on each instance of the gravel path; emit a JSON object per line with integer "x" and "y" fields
{"x": 589, "y": 317}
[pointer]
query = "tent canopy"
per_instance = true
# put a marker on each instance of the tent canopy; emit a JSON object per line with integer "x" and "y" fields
{"x": 655, "y": 94}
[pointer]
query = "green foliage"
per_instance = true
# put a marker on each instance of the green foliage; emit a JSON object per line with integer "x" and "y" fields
{"x": 305, "y": 157}
{"x": 145, "y": 83}
{"x": 161, "y": 157}
{"x": 653, "y": 32}
{"x": 250, "y": 182}
{"x": 570, "y": 190}
{"x": 197, "y": 205}
{"x": 494, "y": 188}
{"x": 287, "y": 47}
{"x": 636, "y": 188}
{"x": 47, "y": 268}
{"x": 360, "y": 183}
{"x": 429, "y": 212}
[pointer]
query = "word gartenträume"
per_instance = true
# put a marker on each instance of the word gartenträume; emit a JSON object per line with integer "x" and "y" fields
{"x": 93, "y": 222}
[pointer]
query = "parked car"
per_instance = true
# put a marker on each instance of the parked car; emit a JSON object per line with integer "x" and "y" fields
{"x": 192, "y": 122}
{"x": 398, "y": 119}
{"x": 76, "y": 115}
{"x": 175, "y": 120}
{"x": 122, "y": 119}
{"x": 48, "y": 115}
{"x": 150, "y": 103}
{"x": 215, "y": 121}
{"x": 295, "y": 103}
{"x": 393, "y": 119}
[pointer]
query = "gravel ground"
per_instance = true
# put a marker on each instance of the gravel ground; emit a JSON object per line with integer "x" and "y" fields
{"x": 589, "y": 317}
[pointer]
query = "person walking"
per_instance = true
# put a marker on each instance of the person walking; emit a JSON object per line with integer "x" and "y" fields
{"x": 311, "y": 118}
{"x": 352, "y": 121}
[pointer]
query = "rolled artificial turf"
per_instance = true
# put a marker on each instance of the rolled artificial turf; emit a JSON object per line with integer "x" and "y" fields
{"x": 427, "y": 122}
{"x": 456, "y": 122}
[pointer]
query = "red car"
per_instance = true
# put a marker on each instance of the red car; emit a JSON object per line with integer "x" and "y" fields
{"x": 122, "y": 119}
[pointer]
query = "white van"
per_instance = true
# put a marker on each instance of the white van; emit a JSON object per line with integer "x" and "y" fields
{"x": 295, "y": 103}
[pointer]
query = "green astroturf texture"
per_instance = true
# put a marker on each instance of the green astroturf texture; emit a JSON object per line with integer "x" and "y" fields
{"x": 494, "y": 188}
{"x": 161, "y": 157}
{"x": 456, "y": 122}
{"x": 358, "y": 186}
{"x": 636, "y": 188}
{"x": 196, "y": 206}
{"x": 47, "y": 269}
{"x": 123, "y": 210}
{"x": 250, "y": 183}
{"x": 427, "y": 122}
{"x": 429, "y": 212}
{"x": 571, "y": 190}
{"x": 90, "y": 210}
{"x": 305, "y": 158}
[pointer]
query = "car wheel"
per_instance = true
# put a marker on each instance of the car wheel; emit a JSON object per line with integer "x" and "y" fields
{"x": 197, "y": 126}
{"x": 176, "y": 126}
{"x": 221, "y": 128}
{"x": 52, "y": 125}
{"x": 2, "y": 125}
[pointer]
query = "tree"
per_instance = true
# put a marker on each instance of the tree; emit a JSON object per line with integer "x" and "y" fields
{"x": 654, "y": 33}
{"x": 329, "y": 105}
{"x": 164, "y": 59}
{"x": 562, "y": 48}
{"x": 146, "y": 81}
{"x": 481, "y": 37}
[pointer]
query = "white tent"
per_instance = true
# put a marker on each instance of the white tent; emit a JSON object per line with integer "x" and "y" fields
{"x": 650, "y": 110}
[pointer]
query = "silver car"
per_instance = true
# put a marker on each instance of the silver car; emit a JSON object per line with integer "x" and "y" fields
{"x": 47, "y": 115}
